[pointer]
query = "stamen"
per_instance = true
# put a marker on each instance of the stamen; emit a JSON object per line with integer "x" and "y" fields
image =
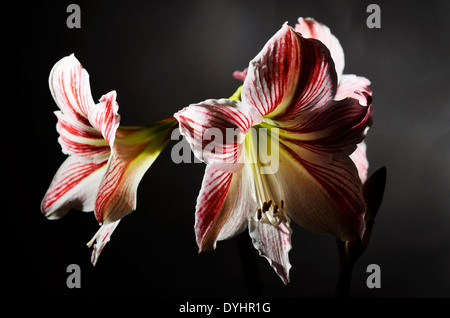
{"x": 89, "y": 244}
{"x": 271, "y": 213}
{"x": 275, "y": 209}
{"x": 266, "y": 206}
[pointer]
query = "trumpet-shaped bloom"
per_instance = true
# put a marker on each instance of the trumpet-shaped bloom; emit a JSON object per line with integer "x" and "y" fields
{"x": 287, "y": 103}
{"x": 105, "y": 162}
{"x": 348, "y": 84}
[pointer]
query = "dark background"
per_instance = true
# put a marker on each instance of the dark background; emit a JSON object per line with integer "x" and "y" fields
{"x": 161, "y": 56}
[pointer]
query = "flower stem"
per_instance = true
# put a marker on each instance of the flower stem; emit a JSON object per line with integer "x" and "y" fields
{"x": 350, "y": 251}
{"x": 249, "y": 265}
{"x": 346, "y": 265}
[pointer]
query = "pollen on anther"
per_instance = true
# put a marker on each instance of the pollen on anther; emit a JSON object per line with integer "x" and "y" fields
{"x": 275, "y": 209}
{"x": 266, "y": 206}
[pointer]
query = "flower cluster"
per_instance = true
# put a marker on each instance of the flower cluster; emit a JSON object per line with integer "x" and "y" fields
{"x": 294, "y": 101}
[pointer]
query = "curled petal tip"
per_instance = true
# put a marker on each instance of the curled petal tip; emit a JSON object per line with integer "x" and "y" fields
{"x": 366, "y": 95}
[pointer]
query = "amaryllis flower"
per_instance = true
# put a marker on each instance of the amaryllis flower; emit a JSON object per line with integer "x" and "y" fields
{"x": 348, "y": 84}
{"x": 289, "y": 92}
{"x": 105, "y": 162}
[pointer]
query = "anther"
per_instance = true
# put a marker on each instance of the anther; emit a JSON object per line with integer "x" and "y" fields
{"x": 282, "y": 204}
{"x": 259, "y": 214}
{"x": 266, "y": 206}
{"x": 275, "y": 209}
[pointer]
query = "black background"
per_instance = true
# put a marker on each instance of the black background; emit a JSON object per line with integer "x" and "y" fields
{"x": 160, "y": 56}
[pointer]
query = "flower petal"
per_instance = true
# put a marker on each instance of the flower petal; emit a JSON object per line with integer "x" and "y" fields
{"x": 310, "y": 28}
{"x": 74, "y": 186}
{"x": 104, "y": 117}
{"x": 316, "y": 172}
{"x": 317, "y": 83}
{"x": 135, "y": 150}
{"x": 349, "y": 85}
{"x": 290, "y": 75}
{"x": 337, "y": 127}
{"x": 223, "y": 206}
{"x": 240, "y": 75}
{"x": 359, "y": 158}
{"x": 215, "y": 130}
{"x": 322, "y": 192}
{"x": 81, "y": 140}
{"x": 272, "y": 76}
{"x": 208, "y": 220}
{"x": 69, "y": 86}
{"x": 273, "y": 241}
{"x": 102, "y": 237}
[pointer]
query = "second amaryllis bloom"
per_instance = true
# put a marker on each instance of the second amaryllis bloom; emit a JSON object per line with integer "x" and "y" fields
{"x": 106, "y": 162}
{"x": 287, "y": 104}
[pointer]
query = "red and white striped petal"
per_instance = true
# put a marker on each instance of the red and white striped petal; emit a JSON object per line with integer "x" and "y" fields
{"x": 102, "y": 237}
{"x": 317, "y": 83}
{"x": 209, "y": 217}
{"x": 86, "y": 130}
{"x": 81, "y": 140}
{"x": 215, "y": 130}
{"x": 224, "y": 205}
{"x": 350, "y": 84}
{"x": 273, "y": 241}
{"x": 310, "y": 28}
{"x": 105, "y": 118}
{"x": 322, "y": 193}
{"x": 69, "y": 86}
{"x": 135, "y": 150}
{"x": 272, "y": 76}
{"x": 208, "y": 220}
{"x": 74, "y": 186}
{"x": 334, "y": 128}
{"x": 318, "y": 176}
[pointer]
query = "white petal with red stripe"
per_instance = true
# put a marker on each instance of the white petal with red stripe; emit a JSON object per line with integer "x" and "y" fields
{"x": 208, "y": 219}
{"x": 80, "y": 139}
{"x": 104, "y": 117}
{"x": 102, "y": 237}
{"x": 74, "y": 186}
{"x": 272, "y": 76}
{"x": 310, "y": 28}
{"x": 69, "y": 86}
{"x": 135, "y": 150}
{"x": 215, "y": 130}
{"x": 336, "y": 127}
{"x": 317, "y": 83}
{"x": 273, "y": 242}
{"x": 323, "y": 196}
{"x": 224, "y": 205}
